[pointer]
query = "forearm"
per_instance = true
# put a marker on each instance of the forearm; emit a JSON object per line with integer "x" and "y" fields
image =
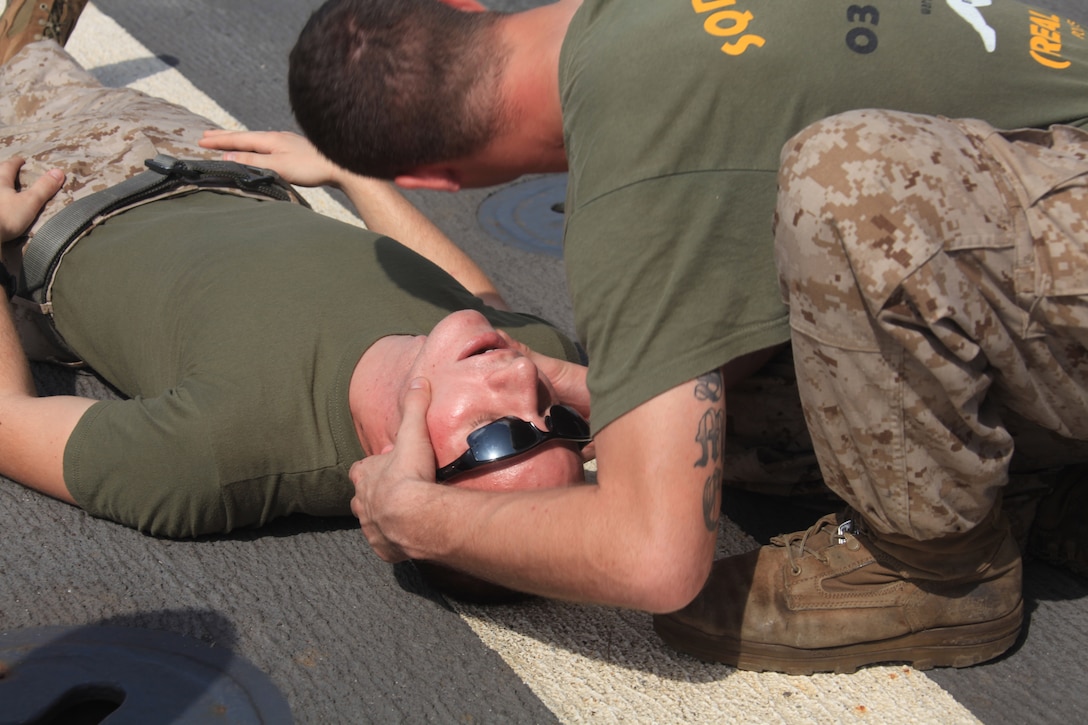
{"x": 386, "y": 211}
{"x": 15, "y": 377}
{"x": 643, "y": 537}
{"x": 18, "y": 209}
{"x": 33, "y": 430}
{"x": 382, "y": 207}
{"x": 564, "y": 544}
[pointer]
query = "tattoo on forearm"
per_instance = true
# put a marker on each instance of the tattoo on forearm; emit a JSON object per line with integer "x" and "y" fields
{"x": 709, "y": 388}
{"x": 712, "y": 508}
{"x": 709, "y": 437}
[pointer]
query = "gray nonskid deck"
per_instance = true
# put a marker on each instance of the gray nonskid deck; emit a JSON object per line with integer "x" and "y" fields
{"x": 347, "y": 638}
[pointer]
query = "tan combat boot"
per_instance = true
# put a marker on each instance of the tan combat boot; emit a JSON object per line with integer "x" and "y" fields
{"x": 26, "y": 21}
{"x": 828, "y": 600}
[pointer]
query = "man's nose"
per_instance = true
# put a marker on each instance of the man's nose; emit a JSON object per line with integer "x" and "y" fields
{"x": 519, "y": 387}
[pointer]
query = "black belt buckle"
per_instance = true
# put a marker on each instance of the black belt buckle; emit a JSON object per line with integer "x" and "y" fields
{"x": 231, "y": 173}
{"x": 257, "y": 178}
{"x": 169, "y": 166}
{"x": 241, "y": 174}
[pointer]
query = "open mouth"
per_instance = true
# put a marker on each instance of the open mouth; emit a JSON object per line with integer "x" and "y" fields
{"x": 484, "y": 344}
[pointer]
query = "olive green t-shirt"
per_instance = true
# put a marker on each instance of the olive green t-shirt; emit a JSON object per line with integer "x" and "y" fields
{"x": 234, "y": 325}
{"x": 675, "y": 113}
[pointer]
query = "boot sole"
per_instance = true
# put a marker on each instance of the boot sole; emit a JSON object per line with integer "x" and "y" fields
{"x": 960, "y": 646}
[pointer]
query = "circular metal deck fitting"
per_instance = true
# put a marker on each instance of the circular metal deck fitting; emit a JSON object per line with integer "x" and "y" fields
{"x": 127, "y": 675}
{"x": 528, "y": 214}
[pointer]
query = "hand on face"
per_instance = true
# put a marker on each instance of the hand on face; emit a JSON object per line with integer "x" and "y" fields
{"x": 383, "y": 481}
{"x": 19, "y": 208}
{"x": 477, "y": 375}
{"x": 461, "y": 379}
{"x": 288, "y": 154}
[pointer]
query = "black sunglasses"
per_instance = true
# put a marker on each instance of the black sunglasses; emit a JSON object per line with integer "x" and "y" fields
{"x": 508, "y": 437}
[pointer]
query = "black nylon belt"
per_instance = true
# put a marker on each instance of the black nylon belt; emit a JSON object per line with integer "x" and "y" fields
{"x": 165, "y": 174}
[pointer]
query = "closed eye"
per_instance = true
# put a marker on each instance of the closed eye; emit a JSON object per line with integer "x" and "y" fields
{"x": 479, "y": 423}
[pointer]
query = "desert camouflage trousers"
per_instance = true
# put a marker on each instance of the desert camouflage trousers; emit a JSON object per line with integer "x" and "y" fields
{"x": 936, "y": 273}
{"x": 57, "y": 115}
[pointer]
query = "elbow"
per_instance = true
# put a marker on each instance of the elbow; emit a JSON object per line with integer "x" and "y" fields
{"x": 664, "y": 578}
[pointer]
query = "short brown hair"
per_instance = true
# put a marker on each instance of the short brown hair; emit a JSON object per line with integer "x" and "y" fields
{"x": 382, "y": 87}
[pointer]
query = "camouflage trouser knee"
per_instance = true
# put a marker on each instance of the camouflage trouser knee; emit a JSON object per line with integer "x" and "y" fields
{"x": 55, "y": 114}
{"x": 935, "y": 272}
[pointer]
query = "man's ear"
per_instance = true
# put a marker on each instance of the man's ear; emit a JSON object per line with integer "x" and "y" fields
{"x": 431, "y": 179}
{"x": 467, "y": 6}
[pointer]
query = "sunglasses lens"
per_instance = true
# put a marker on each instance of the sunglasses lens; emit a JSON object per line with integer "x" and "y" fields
{"x": 565, "y": 422}
{"x": 512, "y": 436}
{"x": 502, "y": 438}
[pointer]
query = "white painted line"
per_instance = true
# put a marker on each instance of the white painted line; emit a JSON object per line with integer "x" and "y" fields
{"x": 124, "y": 57}
{"x": 603, "y": 665}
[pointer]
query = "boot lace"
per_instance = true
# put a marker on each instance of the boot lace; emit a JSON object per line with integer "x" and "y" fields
{"x": 797, "y": 543}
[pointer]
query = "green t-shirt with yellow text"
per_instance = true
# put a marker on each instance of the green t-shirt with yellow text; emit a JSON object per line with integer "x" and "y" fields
{"x": 675, "y": 112}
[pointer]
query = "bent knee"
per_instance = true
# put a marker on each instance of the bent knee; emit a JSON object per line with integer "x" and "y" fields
{"x": 858, "y": 135}
{"x": 871, "y": 195}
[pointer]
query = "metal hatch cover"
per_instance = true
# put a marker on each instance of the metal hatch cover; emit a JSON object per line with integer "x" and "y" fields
{"x": 125, "y": 675}
{"x": 527, "y": 214}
